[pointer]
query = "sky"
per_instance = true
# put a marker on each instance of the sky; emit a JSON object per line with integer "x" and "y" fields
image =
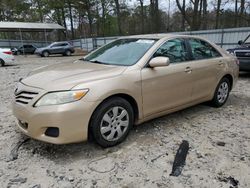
{"x": 164, "y": 4}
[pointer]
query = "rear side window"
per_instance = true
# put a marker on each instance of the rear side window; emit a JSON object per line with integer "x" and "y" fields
{"x": 202, "y": 50}
{"x": 174, "y": 49}
{"x": 64, "y": 44}
{"x": 60, "y": 45}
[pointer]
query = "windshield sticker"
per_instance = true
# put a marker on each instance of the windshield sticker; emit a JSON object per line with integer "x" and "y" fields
{"x": 145, "y": 41}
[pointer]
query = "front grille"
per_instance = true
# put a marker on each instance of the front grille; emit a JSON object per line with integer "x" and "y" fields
{"x": 242, "y": 53}
{"x": 24, "y": 97}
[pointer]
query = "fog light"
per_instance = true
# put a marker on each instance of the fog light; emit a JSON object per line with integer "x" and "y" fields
{"x": 23, "y": 124}
{"x": 52, "y": 132}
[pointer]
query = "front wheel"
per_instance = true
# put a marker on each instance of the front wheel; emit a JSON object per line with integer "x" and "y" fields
{"x": 112, "y": 121}
{"x": 221, "y": 93}
{"x": 45, "y": 54}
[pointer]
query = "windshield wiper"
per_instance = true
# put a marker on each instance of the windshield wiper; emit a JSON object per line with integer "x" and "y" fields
{"x": 99, "y": 62}
{"x": 94, "y": 61}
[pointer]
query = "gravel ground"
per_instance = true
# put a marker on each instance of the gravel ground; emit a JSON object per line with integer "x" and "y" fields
{"x": 219, "y": 140}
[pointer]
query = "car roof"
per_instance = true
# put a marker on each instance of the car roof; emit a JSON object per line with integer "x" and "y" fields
{"x": 161, "y": 36}
{"x": 60, "y": 42}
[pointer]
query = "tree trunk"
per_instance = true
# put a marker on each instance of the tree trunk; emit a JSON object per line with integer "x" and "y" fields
{"x": 64, "y": 23}
{"x": 103, "y": 19}
{"x": 183, "y": 12}
{"x": 117, "y": 7}
{"x": 242, "y": 8}
{"x": 236, "y": 14}
{"x": 142, "y": 15}
{"x": 204, "y": 17}
{"x": 71, "y": 20}
{"x": 217, "y": 14}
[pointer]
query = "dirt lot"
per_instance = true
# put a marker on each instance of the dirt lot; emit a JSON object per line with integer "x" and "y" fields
{"x": 145, "y": 159}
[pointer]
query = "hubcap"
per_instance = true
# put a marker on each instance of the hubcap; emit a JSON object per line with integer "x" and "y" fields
{"x": 222, "y": 92}
{"x": 114, "y": 123}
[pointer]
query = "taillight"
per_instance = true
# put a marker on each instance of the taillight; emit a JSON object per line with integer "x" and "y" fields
{"x": 8, "y": 52}
{"x": 237, "y": 62}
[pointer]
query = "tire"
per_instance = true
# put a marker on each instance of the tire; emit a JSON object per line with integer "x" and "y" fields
{"x": 18, "y": 53}
{"x": 67, "y": 53}
{"x": 2, "y": 63}
{"x": 45, "y": 54}
{"x": 221, "y": 93}
{"x": 105, "y": 126}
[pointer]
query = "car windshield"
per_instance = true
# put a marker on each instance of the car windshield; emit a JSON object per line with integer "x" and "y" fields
{"x": 124, "y": 52}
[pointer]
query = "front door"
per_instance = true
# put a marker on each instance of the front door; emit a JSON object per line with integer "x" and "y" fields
{"x": 167, "y": 87}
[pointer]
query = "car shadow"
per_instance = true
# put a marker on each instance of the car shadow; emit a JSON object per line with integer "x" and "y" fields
{"x": 244, "y": 75}
{"x": 10, "y": 65}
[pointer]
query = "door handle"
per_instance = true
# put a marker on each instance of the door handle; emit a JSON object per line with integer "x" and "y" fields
{"x": 188, "y": 70}
{"x": 221, "y": 63}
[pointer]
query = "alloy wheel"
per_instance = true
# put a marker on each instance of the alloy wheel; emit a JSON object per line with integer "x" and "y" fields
{"x": 222, "y": 92}
{"x": 114, "y": 123}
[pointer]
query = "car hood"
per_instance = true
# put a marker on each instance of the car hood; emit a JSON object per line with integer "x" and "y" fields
{"x": 41, "y": 49}
{"x": 64, "y": 76}
{"x": 242, "y": 47}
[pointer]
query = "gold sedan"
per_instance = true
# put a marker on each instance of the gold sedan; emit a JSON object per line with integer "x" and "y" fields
{"x": 126, "y": 82}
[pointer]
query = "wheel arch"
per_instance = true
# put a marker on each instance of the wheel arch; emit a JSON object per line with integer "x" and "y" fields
{"x": 45, "y": 51}
{"x": 125, "y": 96}
{"x": 230, "y": 78}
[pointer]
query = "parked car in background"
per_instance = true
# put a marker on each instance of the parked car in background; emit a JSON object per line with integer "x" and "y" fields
{"x": 242, "y": 52}
{"x": 6, "y": 56}
{"x": 128, "y": 81}
{"x": 64, "y": 48}
{"x": 24, "y": 49}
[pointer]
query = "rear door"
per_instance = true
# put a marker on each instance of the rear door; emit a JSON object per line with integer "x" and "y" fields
{"x": 207, "y": 66}
{"x": 167, "y": 87}
{"x": 28, "y": 48}
{"x": 63, "y": 47}
{"x": 55, "y": 49}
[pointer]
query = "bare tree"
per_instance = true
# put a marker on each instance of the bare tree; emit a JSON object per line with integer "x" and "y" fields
{"x": 193, "y": 19}
{"x": 118, "y": 13}
{"x": 236, "y": 13}
{"x": 218, "y": 11}
{"x": 241, "y": 15}
{"x": 142, "y": 15}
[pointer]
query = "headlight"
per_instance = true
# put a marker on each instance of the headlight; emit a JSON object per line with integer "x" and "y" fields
{"x": 61, "y": 97}
{"x": 231, "y": 52}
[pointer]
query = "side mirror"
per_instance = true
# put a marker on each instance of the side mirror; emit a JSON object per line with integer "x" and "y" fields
{"x": 240, "y": 42}
{"x": 159, "y": 62}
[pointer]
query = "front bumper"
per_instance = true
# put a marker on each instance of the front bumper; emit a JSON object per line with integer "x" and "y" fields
{"x": 244, "y": 64}
{"x": 71, "y": 119}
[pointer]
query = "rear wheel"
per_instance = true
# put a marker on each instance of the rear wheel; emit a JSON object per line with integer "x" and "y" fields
{"x": 112, "y": 121}
{"x": 2, "y": 63}
{"x": 45, "y": 54}
{"x": 221, "y": 93}
{"x": 68, "y": 53}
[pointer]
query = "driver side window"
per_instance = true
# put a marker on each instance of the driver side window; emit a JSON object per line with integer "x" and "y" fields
{"x": 174, "y": 49}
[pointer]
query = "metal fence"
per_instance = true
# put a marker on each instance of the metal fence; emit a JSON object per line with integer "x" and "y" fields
{"x": 226, "y": 38}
